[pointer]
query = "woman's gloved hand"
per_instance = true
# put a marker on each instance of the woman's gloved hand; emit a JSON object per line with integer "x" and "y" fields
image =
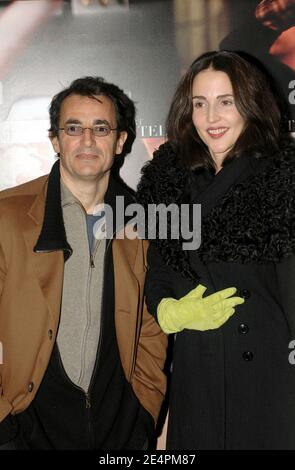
{"x": 194, "y": 312}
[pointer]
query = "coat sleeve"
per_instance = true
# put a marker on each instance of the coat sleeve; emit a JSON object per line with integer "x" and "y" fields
{"x": 2, "y": 271}
{"x": 162, "y": 281}
{"x": 8, "y": 425}
{"x": 148, "y": 374}
{"x": 148, "y": 378}
{"x": 285, "y": 271}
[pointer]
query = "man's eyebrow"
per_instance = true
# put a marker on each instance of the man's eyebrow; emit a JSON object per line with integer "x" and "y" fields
{"x": 101, "y": 121}
{"x": 73, "y": 121}
{"x": 96, "y": 122}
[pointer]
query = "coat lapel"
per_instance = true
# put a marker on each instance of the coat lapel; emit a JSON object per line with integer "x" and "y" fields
{"x": 47, "y": 266}
{"x": 129, "y": 282}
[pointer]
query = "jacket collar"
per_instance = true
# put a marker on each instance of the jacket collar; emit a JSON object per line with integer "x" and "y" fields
{"x": 208, "y": 189}
{"x": 53, "y": 235}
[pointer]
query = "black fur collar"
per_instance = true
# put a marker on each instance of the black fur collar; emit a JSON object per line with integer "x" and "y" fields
{"x": 254, "y": 220}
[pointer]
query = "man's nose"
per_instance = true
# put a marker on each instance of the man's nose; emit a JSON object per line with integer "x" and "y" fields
{"x": 88, "y": 137}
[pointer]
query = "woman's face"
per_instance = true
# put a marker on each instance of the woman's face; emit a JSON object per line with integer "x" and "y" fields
{"x": 215, "y": 116}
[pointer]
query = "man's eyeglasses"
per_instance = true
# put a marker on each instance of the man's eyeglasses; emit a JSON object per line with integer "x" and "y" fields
{"x": 100, "y": 130}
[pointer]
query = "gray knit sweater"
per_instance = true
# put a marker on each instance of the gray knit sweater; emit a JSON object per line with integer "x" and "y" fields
{"x": 79, "y": 329}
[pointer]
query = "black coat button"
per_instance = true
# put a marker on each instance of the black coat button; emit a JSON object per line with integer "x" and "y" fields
{"x": 31, "y": 386}
{"x": 50, "y": 334}
{"x": 243, "y": 329}
{"x": 245, "y": 293}
{"x": 248, "y": 356}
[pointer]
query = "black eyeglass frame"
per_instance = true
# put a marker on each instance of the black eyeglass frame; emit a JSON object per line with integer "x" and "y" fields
{"x": 90, "y": 128}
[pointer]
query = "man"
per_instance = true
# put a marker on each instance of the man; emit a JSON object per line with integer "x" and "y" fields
{"x": 82, "y": 357}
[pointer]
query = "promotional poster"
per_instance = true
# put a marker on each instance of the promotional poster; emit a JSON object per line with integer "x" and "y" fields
{"x": 147, "y": 301}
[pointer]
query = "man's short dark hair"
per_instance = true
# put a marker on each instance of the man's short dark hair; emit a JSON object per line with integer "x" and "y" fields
{"x": 91, "y": 86}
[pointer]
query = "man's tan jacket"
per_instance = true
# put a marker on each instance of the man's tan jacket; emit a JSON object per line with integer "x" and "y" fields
{"x": 30, "y": 304}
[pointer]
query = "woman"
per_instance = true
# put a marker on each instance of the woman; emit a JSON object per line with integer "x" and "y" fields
{"x": 232, "y": 387}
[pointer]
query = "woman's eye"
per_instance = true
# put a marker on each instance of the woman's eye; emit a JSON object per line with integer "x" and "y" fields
{"x": 227, "y": 102}
{"x": 198, "y": 104}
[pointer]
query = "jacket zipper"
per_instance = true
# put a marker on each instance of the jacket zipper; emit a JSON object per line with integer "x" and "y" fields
{"x": 88, "y": 310}
{"x": 87, "y": 394}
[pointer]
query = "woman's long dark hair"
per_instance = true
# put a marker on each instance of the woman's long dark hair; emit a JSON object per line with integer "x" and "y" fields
{"x": 254, "y": 99}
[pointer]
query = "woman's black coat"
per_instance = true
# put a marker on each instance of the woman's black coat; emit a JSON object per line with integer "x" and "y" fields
{"x": 234, "y": 387}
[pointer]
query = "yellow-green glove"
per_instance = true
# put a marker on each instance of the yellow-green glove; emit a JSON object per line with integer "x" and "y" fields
{"x": 194, "y": 312}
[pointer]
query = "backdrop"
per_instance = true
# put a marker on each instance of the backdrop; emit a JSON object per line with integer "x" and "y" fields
{"x": 143, "y": 46}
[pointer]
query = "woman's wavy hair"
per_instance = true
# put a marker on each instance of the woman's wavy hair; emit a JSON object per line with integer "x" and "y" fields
{"x": 255, "y": 100}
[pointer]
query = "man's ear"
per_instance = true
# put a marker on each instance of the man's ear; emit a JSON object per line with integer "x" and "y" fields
{"x": 55, "y": 143}
{"x": 120, "y": 142}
